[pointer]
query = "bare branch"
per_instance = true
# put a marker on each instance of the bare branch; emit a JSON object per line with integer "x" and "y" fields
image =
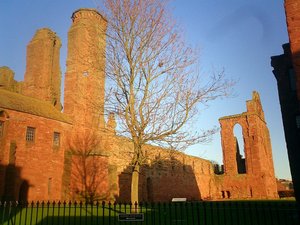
{"x": 152, "y": 73}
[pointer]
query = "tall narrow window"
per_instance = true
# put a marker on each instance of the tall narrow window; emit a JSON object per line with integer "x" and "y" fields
{"x": 56, "y": 139}
{"x": 30, "y": 134}
{"x": 1, "y": 128}
{"x": 228, "y": 194}
{"x": 240, "y": 149}
{"x": 223, "y": 194}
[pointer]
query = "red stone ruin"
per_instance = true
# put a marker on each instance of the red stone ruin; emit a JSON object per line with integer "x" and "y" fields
{"x": 43, "y": 151}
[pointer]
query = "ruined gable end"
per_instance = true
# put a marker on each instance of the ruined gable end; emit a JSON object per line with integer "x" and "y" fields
{"x": 255, "y": 171}
{"x": 7, "y": 80}
{"x": 43, "y": 76}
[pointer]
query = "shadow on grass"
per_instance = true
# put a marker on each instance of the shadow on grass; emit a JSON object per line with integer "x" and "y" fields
{"x": 189, "y": 213}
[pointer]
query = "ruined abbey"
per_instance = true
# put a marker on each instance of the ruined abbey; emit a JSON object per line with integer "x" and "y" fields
{"x": 51, "y": 150}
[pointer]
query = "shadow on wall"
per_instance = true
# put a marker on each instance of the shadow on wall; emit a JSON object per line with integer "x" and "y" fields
{"x": 12, "y": 186}
{"x": 287, "y": 73}
{"x": 160, "y": 181}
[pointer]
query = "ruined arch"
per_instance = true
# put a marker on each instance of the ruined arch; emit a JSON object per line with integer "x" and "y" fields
{"x": 257, "y": 146}
{"x": 233, "y": 162}
{"x": 259, "y": 176}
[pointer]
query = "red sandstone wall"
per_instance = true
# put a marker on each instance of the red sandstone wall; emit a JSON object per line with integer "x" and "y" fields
{"x": 90, "y": 174}
{"x": 85, "y": 78}
{"x": 259, "y": 180}
{"x": 39, "y": 163}
{"x": 167, "y": 174}
{"x": 43, "y": 77}
{"x": 7, "y": 80}
{"x": 50, "y": 172}
{"x": 292, "y": 11}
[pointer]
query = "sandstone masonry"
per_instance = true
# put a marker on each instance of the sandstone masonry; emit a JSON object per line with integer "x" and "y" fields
{"x": 46, "y": 153}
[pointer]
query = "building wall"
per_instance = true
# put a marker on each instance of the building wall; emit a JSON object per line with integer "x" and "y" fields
{"x": 165, "y": 174}
{"x": 289, "y": 100}
{"x": 89, "y": 178}
{"x": 39, "y": 163}
{"x": 285, "y": 74}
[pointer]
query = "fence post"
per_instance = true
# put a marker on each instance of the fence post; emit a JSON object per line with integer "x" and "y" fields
{"x": 53, "y": 212}
{"x": 80, "y": 211}
{"x": 26, "y": 208}
{"x": 37, "y": 211}
{"x": 58, "y": 211}
{"x": 97, "y": 211}
{"x": 64, "y": 211}
{"x": 75, "y": 208}
{"x": 103, "y": 208}
{"x": 9, "y": 212}
{"x": 115, "y": 212}
{"x": 109, "y": 212}
{"x": 86, "y": 211}
{"x": 221, "y": 213}
{"x": 92, "y": 211}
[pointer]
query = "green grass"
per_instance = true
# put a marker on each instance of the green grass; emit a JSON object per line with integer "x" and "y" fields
{"x": 202, "y": 213}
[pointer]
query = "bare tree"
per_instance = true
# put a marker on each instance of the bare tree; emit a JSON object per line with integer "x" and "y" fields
{"x": 87, "y": 170}
{"x": 153, "y": 79}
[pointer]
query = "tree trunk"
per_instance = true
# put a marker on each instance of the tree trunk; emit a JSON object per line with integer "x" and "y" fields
{"x": 135, "y": 183}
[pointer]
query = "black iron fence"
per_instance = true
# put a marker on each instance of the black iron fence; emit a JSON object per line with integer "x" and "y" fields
{"x": 180, "y": 213}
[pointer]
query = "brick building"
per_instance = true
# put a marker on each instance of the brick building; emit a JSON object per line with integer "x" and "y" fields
{"x": 287, "y": 73}
{"x": 46, "y": 154}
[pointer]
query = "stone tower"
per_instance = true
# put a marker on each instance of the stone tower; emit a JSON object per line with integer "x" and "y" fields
{"x": 43, "y": 76}
{"x": 258, "y": 163}
{"x": 85, "y": 75}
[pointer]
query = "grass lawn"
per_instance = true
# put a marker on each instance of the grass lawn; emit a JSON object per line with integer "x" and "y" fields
{"x": 202, "y": 213}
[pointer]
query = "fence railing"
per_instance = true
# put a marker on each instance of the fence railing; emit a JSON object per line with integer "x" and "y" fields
{"x": 180, "y": 213}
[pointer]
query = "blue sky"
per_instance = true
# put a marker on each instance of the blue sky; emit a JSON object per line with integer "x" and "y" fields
{"x": 238, "y": 36}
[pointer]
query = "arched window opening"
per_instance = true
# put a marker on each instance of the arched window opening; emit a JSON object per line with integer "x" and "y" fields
{"x": 240, "y": 149}
{"x": 228, "y": 194}
{"x": 223, "y": 194}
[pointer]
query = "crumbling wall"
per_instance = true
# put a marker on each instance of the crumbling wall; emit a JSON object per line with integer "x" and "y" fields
{"x": 43, "y": 76}
{"x": 165, "y": 173}
{"x": 7, "y": 80}
{"x": 259, "y": 180}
